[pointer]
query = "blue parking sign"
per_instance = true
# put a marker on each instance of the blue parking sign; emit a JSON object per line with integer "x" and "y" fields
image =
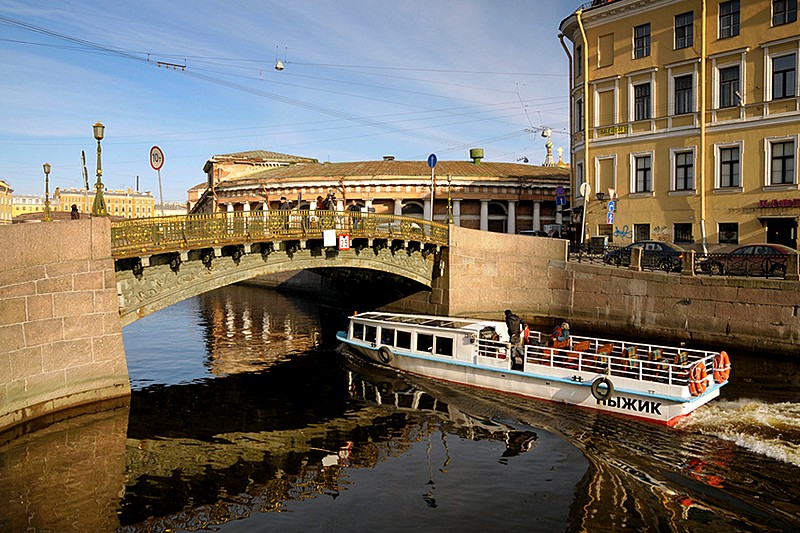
{"x": 610, "y": 217}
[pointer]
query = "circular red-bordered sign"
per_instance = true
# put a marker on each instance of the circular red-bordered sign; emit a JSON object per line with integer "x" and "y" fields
{"x": 156, "y": 158}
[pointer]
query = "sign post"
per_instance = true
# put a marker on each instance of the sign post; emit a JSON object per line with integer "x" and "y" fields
{"x": 432, "y": 164}
{"x": 157, "y": 161}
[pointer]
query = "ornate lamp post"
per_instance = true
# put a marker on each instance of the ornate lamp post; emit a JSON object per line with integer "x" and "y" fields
{"x": 99, "y": 205}
{"x": 46, "y": 216}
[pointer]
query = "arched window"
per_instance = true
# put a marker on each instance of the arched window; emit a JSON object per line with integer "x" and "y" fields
{"x": 498, "y": 217}
{"x": 413, "y": 209}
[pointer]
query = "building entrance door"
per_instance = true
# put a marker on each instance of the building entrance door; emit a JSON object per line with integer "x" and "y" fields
{"x": 782, "y": 231}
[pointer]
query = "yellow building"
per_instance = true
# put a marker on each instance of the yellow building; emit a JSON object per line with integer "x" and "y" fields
{"x": 6, "y": 206}
{"x": 22, "y": 204}
{"x": 119, "y": 203}
{"x": 686, "y": 114}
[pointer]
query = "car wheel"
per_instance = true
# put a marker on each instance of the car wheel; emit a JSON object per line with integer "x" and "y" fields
{"x": 715, "y": 269}
{"x": 665, "y": 265}
{"x": 617, "y": 261}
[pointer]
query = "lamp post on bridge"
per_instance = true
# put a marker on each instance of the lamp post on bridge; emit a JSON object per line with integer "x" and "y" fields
{"x": 99, "y": 204}
{"x": 449, "y": 217}
{"x": 46, "y": 217}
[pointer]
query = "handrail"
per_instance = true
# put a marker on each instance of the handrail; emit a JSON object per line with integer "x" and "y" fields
{"x": 142, "y": 236}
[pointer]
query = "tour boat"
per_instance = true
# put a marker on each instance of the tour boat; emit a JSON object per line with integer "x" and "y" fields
{"x": 657, "y": 383}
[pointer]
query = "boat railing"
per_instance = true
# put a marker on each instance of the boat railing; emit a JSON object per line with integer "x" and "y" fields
{"x": 493, "y": 349}
{"x": 643, "y": 362}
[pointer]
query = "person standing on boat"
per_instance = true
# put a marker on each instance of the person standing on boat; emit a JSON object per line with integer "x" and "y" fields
{"x": 514, "y": 325}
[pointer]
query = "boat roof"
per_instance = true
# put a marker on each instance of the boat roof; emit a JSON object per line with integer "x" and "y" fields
{"x": 426, "y": 320}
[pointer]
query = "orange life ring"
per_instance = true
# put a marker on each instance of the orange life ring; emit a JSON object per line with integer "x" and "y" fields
{"x": 697, "y": 379}
{"x": 722, "y": 367}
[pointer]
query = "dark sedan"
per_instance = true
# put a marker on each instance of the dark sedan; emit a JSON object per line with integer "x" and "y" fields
{"x": 749, "y": 260}
{"x": 655, "y": 255}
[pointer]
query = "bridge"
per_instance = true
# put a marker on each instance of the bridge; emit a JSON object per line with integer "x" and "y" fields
{"x": 161, "y": 261}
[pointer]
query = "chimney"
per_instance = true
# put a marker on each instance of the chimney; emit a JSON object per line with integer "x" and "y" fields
{"x": 476, "y": 154}
{"x": 388, "y": 158}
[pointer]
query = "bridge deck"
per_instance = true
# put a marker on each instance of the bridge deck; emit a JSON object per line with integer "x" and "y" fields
{"x": 146, "y": 236}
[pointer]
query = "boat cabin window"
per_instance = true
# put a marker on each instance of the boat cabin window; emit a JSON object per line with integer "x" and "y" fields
{"x": 404, "y": 339}
{"x": 387, "y": 336}
{"x": 370, "y": 333}
{"x": 444, "y": 346}
{"x": 424, "y": 342}
{"x": 358, "y": 331}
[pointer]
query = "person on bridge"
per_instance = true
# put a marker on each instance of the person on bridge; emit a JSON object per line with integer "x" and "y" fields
{"x": 285, "y": 205}
{"x": 75, "y": 214}
{"x": 354, "y": 208}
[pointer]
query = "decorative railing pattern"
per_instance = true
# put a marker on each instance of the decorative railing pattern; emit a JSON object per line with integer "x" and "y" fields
{"x": 142, "y": 236}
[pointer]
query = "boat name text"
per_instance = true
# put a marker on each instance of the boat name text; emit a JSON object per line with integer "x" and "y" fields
{"x": 632, "y": 404}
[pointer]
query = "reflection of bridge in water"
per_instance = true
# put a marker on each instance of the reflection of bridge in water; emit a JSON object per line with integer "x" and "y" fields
{"x": 161, "y": 261}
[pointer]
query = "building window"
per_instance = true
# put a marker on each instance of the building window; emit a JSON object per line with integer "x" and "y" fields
{"x": 644, "y": 173}
{"x": 729, "y": 86}
{"x": 579, "y": 178}
{"x": 784, "y": 12}
{"x": 728, "y": 233}
{"x": 683, "y": 94}
{"x": 641, "y": 101}
{"x": 641, "y": 40}
{"x": 683, "y": 233}
{"x": 728, "y": 19}
{"x": 684, "y": 30}
{"x": 782, "y": 168}
{"x": 579, "y": 114}
{"x": 784, "y": 76}
{"x": 729, "y": 167}
{"x": 684, "y": 171}
{"x": 578, "y": 60}
{"x": 641, "y": 232}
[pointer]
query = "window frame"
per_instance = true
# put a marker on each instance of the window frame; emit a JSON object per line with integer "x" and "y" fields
{"x": 686, "y": 28}
{"x": 648, "y": 102}
{"x": 635, "y": 157}
{"x": 578, "y": 60}
{"x": 789, "y": 12}
{"x": 675, "y": 95}
{"x": 728, "y": 96}
{"x": 675, "y": 153}
{"x": 718, "y": 166}
{"x": 678, "y": 236}
{"x": 785, "y": 85}
{"x": 770, "y": 144}
{"x": 720, "y": 231}
{"x": 729, "y": 22}
{"x": 641, "y": 41}
{"x": 580, "y": 109}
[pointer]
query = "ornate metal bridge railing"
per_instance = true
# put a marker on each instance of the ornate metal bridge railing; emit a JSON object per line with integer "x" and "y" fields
{"x": 140, "y": 236}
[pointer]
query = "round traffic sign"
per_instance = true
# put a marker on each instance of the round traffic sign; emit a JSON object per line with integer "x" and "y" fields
{"x": 559, "y": 191}
{"x": 585, "y": 189}
{"x": 432, "y": 160}
{"x": 156, "y": 158}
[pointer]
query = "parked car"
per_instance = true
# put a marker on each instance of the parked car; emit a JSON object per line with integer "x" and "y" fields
{"x": 655, "y": 255}
{"x": 749, "y": 260}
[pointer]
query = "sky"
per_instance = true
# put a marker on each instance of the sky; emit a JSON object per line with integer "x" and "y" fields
{"x": 362, "y": 79}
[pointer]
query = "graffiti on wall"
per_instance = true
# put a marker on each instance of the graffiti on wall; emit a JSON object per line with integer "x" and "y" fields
{"x": 661, "y": 233}
{"x": 623, "y": 233}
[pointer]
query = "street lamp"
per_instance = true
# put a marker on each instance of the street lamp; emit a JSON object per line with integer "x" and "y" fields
{"x": 449, "y": 217}
{"x": 99, "y": 205}
{"x": 46, "y": 216}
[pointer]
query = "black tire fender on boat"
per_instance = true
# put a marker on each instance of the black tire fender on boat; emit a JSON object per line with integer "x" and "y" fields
{"x": 385, "y": 355}
{"x": 601, "y": 394}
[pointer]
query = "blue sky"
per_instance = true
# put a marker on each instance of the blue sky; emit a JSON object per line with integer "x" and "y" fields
{"x": 362, "y": 79}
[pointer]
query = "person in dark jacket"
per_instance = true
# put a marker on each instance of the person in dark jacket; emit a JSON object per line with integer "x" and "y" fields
{"x": 514, "y": 325}
{"x": 75, "y": 214}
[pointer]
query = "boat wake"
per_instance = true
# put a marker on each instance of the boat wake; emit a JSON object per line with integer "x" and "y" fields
{"x": 768, "y": 429}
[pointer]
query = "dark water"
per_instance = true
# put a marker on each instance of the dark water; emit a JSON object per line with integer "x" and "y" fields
{"x": 245, "y": 418}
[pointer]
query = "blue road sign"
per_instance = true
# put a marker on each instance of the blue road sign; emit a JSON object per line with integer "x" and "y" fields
{"x": 561, "y": 200}
{"x": 432, "y": 160}
{"x": 611, "y": 207}
{"x": 610, "y": 217}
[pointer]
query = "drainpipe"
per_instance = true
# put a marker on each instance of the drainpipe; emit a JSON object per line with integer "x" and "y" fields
{"x": 587, "y": 173}
{"x": 571, "y": 126}
{"x": 702, "y": 149}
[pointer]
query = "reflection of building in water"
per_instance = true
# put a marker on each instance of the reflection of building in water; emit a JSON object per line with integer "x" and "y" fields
{"x": 243, "y": 338}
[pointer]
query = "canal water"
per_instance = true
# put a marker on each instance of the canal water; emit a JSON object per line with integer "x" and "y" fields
{"x": 244, "y": 417}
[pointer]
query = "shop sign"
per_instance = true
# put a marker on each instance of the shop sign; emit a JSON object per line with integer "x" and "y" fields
{"x": 788, "y": 202}
{"x": 613, "y": 130}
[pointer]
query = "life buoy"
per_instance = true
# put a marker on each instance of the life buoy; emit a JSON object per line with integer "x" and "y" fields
{"x": 600, "y": 394}
{"x": 722, "y": 367}
{"x": 697, "y": 379}
{"x": 385, "y": 355}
